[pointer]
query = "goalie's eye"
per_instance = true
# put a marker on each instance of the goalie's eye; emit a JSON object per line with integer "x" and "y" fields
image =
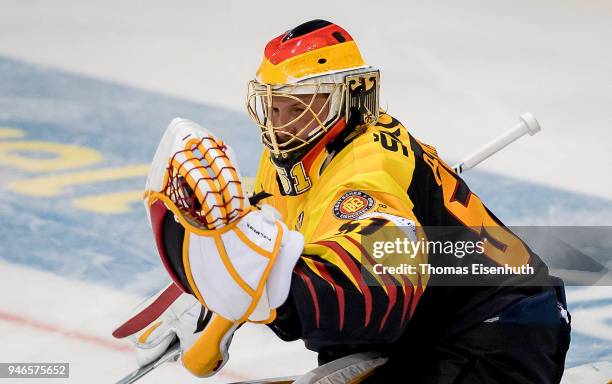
{"x": 294, "y": 111}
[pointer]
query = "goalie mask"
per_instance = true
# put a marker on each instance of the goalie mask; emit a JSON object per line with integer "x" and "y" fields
{"x": 311, "y": 86}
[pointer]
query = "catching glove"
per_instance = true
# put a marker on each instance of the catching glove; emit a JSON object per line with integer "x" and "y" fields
{"x": 236, "y": 259}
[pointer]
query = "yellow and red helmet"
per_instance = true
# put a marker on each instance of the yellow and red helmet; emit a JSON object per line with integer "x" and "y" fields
{"x": 318, "y": 66}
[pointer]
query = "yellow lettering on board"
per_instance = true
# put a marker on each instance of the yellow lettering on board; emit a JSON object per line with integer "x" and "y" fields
{"x": 65, "y": 156}
{"x": 53, "y": 185}
{"x": 109, "y": 203}
{"x": 11, "y": 133}
{"x": 119, "y": 202}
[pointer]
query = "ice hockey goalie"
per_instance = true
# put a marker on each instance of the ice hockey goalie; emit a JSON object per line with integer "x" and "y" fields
{"x": 339, "y": 179}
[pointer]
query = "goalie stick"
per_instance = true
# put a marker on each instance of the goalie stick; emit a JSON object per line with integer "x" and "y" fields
{"x": 527, "y": 125}
{"x": 172, "y": 354}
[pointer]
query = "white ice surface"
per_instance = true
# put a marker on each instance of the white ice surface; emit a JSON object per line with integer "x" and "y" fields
{"x": 54, "y": 319}
{"x": 456, "y": 73}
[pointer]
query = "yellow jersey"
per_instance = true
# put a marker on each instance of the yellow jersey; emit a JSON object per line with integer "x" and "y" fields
{"x": 376, "y": 185}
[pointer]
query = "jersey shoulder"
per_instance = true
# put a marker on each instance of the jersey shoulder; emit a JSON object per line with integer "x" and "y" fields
{"x": 383, "y": 153}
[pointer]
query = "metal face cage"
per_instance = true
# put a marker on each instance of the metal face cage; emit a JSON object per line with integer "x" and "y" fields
{"x": 317, "y": 107}
{"x": 322, "y": 101}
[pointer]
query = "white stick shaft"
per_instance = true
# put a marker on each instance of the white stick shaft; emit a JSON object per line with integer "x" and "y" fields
{"x": 528, "y": 124}
{"x": 173, "y": 353}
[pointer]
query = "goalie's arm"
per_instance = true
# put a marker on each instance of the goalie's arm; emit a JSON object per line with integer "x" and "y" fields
{"x": 336, "y": 296}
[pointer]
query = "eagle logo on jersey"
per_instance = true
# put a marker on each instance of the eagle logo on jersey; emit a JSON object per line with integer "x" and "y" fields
{"x": 352, "y": 204}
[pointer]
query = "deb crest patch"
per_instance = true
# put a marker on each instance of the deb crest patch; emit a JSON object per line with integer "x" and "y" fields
{"x": 352, "y": 204}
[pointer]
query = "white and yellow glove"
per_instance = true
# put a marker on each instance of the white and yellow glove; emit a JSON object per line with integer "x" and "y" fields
{"x": 235, "y": 259}
{"x": 157, "y": 322}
